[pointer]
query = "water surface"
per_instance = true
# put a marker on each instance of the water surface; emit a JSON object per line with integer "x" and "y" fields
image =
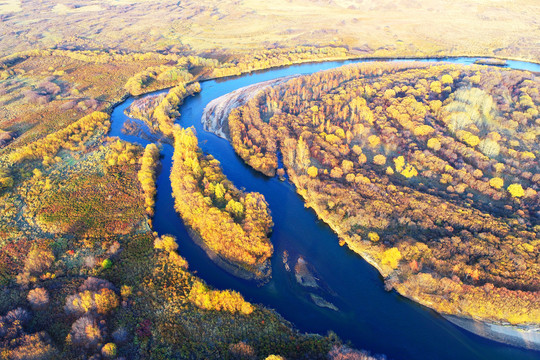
{"x": 369, "y": 317}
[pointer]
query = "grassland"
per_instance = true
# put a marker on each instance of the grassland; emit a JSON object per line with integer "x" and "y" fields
{"x": 368, "y": 28}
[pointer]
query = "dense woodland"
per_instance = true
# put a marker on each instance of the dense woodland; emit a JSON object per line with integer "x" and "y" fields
{"x": 429, "y": 172}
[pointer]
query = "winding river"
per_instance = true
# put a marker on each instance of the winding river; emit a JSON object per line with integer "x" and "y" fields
{"x": 368, "y": 316}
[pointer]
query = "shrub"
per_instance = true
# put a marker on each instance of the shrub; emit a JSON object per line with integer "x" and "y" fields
{"x": 38, "y": 260}
{"x": 496, "y": 183}
{"x": 85, "y": 332}
{"x": 241, "y": 350}
{"x": 33, "y": 347}
{"x": 391, "y": 257}
{"x": 109, "y": 350}
{"x": 336, "y": 173}
{"x": 423, "y": 130}
{"x": 106, "y": 300}
{"x": 527, "y": 155}
{"x": 224, "y": 300}
{"x": 447, "y": 79}
{"x": 167, "y": 243}
{"x": 347, "y": 166}
{"x": 102, "y": 301}
{"x": 373, "y": 236}
{"x": 38, "y": 298}
{"x": 120, "y": 335}
{"x": 126, "y": 291}
{"x": 409, "y": 171}
{"x": 489, "y": 147}
{"x": 374, "y": 140}
{"x": 106, "y": 264}
{"x": 379, "y": 159}
{"x": 516, "y": 190}
{"x": 18, "y": 314}
{"x": 468, "y": 138}
{"x": 434, "y": 144}
{"x": 95, "y": 284}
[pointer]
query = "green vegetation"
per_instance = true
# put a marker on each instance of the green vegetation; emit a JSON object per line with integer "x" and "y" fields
{"x": 429, "y": 172}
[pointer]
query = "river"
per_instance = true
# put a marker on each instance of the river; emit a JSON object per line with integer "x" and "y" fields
{"x": 369, "y": 317}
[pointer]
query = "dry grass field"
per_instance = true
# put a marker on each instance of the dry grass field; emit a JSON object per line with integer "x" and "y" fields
{"x": 377, "y": 28}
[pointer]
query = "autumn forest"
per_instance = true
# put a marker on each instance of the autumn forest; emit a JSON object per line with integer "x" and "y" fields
{"x": 269, "y": 180}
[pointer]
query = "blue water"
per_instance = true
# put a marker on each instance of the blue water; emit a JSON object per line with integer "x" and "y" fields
{"x": 369, "y": 317}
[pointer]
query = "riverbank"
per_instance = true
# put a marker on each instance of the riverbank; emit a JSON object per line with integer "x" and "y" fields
{"x": 217, "y": 111}
{"x": 524, "y": 336}
{"x": 230, "y": 267}
{"x": 370, "y": 254}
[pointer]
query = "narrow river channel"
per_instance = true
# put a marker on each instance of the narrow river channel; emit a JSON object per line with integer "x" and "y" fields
{"x": 369, "y": 317}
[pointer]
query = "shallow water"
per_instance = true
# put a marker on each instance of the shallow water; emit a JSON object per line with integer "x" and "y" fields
{"x": 368, "y": 316}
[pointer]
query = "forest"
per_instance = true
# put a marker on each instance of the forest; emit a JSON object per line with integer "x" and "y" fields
{"x": 83, "y": 275}
{"x": 429, "y": 172}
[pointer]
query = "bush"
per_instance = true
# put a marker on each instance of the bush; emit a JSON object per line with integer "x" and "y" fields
{"x": 391, "y": 257}
{"x": 19, "y": 314}
{"x": 33, "y": 347}
{"x": 241, "y": 350}
{"x": 85, "y": 332}
{"x": 379, "y": 159}
{"x": 95, "y": 284}
{"x": 38, "y": 298}
{"x": 167, "y": 243}
{"x": 120, "y": 335}
{"x": 516, "y": 190}
{"x": 496, "y": 183}
{"x": 109, "y": 350}
{"x": 87, "y": 301}
{"x": 434, "y": 144}
{"x": 38, "y": 261}
{"x": 489, "y": 147}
